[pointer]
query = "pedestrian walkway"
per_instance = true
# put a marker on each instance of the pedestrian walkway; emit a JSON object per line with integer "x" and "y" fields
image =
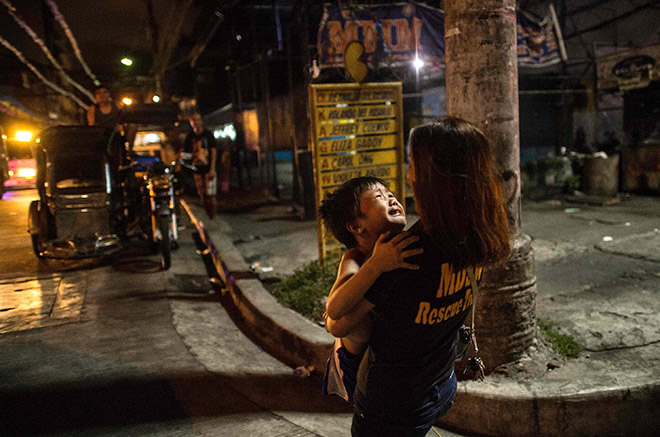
{"x": 598, "y": 280}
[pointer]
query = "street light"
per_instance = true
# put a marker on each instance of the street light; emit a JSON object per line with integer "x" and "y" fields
{"x": 156, "y": 98}
{"x": 126, "y": 61}
{"x": 127, "y": 101}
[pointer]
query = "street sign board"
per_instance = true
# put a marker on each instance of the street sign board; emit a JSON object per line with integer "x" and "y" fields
{"x": 357, "y": 130}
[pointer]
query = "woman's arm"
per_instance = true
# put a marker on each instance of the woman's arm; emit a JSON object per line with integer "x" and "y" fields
{"x": 354, "y": 280}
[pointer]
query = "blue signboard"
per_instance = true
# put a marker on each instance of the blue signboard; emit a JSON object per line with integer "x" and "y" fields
{"x": 396, "y": 34}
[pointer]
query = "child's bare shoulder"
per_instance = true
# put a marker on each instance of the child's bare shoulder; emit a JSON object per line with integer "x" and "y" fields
{"x": 353, "y": 256}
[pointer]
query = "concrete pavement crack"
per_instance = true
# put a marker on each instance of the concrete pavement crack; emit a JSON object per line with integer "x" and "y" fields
{"x": 598, "y": 220}
{"x": 626, "y": 255}
{"x": 621, "y": 347}
{"x": 612, "y": 313}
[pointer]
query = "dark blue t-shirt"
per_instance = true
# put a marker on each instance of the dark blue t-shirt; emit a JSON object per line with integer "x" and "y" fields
{"x": 416, "y": 318}
{"x": 200, "y": 147}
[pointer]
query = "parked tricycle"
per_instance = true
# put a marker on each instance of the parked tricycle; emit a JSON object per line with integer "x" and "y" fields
{"x": 79, "y": 211}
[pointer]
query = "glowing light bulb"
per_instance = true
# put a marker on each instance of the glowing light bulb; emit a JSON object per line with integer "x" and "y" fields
{"x": 23, "y": 135}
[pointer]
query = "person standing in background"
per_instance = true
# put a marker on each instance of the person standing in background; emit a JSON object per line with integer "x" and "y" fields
{"x": 104, "y": 112}
{"x": 201, "y": 144}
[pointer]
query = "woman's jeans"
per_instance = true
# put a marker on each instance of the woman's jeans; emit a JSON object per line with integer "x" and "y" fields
{"x": 417, "y": 423}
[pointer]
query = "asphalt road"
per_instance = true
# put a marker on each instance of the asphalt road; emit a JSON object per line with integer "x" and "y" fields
{"x": 16, "y": 254}
{"x": 118, "y": 347}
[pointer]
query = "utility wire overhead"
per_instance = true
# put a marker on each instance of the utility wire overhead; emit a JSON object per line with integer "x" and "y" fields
{"x": 169, "y": 38}
{"x": 74, "y": 44}
{"x": 29, "y": 65}
{"x": 12, "y": 11}
{"x": 619, "y": 17}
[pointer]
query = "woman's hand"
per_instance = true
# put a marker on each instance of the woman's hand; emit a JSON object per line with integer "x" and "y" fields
{"x": 354, "y": 280}
{"x": 390, "y": 255}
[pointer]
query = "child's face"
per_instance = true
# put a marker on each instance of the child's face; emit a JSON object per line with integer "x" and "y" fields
{"x": 381, "y": 211}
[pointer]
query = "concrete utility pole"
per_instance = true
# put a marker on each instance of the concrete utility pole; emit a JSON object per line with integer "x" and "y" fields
{"x": 482, "y": 87}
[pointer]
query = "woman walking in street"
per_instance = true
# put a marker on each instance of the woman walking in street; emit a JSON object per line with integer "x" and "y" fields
{"x": 407, "y": 380}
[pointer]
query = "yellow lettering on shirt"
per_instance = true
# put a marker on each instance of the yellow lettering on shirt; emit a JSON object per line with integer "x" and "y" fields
{"x": 451, "y": 281}
{"x": 447, "y": 279}
{"x": 432, "y": 316}
{"x": 426, "y": 315}
{"x": 460, "y": 280}
{"x": 424, "y": 308}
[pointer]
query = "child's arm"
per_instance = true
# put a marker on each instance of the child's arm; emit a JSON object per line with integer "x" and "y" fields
{"x": 341, "y": 328}
{"x": 354, "y": 280}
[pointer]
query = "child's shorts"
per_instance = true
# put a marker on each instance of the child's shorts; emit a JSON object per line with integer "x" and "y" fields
{"x": 341, "y": 372}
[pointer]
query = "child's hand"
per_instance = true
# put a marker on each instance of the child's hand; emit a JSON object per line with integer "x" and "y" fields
{"x": 390, "y": 255}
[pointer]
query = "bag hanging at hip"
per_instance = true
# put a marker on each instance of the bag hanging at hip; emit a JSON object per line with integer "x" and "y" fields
{"x": 467, "y": 335}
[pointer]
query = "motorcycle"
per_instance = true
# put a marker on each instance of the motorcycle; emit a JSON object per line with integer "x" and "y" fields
{"x": 157, "y": 204}
{"x": 151, "y": 193}
{"x": 159, "y": 188}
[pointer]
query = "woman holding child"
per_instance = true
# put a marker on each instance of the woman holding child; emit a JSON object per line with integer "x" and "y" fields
{"x": 411, "y": 291}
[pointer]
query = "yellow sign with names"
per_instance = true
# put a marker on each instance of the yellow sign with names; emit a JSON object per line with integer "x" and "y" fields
{"x": 339, "y": 129}
{"x": 390, "y": 184}
{"x": 356, "y": 160}
{"x": 335, "y": 178}
{"x": 345, "y": 112}
{"x": 357, "y": 132}
{"x": 373, "y": 92}
{"x": 357, "y": 144}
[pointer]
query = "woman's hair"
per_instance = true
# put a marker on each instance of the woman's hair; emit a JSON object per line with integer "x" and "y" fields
{"x": 341, "y": 208}
{"x": 458, "y": 193}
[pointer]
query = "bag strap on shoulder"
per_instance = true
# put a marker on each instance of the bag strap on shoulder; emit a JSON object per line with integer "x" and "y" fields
{"x": 475, "y": 289}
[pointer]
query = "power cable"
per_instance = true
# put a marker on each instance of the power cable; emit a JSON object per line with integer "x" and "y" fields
{"x": 74, "y": 44}
{"x": 12, "y": 11}
{"x": 170, "y": 37}
{"x": 199, "y": 48}
{"x": 41, "y": 77}
{"x": 614, "y": 19}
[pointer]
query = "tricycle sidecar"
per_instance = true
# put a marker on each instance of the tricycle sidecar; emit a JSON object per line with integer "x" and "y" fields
{"x": 78, "y": 212}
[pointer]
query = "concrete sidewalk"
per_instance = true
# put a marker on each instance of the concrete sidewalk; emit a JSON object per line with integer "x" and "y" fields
{"x": 598, "y": 278}
{"x": 122, "y": 348}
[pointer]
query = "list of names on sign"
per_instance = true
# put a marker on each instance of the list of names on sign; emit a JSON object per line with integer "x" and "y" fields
{"x": 357, "y": 131}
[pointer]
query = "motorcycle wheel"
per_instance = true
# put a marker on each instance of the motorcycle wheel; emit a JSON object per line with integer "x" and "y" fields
{"x": 164, "y": 224}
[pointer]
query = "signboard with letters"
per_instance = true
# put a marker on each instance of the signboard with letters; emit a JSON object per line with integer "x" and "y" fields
{"x": 356, "y": 131}
{"x": 628, "y": 68}
{"x": 394, "y": 35}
